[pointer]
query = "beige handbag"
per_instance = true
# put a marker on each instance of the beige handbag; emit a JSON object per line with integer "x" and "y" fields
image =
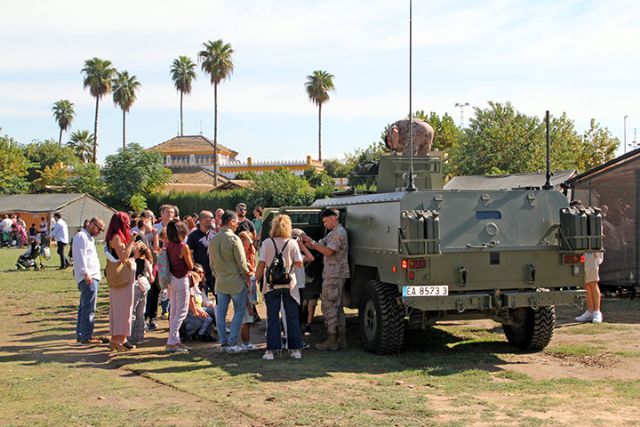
{"x": 119, "y": 274}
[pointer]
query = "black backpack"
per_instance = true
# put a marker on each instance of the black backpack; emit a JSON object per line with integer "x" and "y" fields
{"x": 277, "y": 273}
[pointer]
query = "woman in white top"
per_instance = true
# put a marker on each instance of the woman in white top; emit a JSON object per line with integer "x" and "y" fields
{"x": 277, "y": 294}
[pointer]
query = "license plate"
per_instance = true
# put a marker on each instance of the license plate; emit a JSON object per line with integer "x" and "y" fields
{"x": 425, "y": 291}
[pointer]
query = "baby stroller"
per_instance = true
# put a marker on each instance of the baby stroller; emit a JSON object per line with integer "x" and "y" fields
{"x": 32, "y": 258}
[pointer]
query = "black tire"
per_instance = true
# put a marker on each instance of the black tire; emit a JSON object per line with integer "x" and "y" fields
{"x": 381, "y": 318}
{"x": 533, "y": 328}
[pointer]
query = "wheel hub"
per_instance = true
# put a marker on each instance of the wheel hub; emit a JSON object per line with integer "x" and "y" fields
{"x": 370, "y": 321}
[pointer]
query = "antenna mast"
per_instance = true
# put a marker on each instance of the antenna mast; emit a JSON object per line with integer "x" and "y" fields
{"x": 410, "y": 186}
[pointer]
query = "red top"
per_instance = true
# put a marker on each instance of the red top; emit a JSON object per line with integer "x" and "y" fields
{"x": 177, "y": 266}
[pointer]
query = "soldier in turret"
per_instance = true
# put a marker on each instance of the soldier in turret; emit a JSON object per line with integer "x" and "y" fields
{"x": 334, "y": 248}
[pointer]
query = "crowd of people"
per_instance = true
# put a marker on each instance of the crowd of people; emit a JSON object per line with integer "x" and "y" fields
{"x": 195, "y": 267}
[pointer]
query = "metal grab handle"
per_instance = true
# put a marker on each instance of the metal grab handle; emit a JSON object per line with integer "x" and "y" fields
{"x": 484, "y": 245}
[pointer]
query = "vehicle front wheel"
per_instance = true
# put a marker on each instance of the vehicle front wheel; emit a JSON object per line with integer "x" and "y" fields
{"x": 532, "y": 328}
{"x": 381, "y": 318}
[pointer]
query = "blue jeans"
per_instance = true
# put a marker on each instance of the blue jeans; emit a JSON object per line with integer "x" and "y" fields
{"x": 86, "y": 309}
{"x": 273, "y": 299}
{"x": 239, "y": 308}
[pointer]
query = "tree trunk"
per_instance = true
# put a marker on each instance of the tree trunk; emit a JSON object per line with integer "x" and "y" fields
{"x": 215, "y": 134}
{"x": 60, "y": 137}
{"x": 181, "y": 128}
{"x": 320, "y": 132}
{"x": 95, "y": 132}
{"x": 124, "y": 129}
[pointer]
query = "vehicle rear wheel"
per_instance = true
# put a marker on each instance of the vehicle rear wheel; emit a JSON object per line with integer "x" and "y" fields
{"x": 381, "y": 318}
{"x": 532, "y": 329}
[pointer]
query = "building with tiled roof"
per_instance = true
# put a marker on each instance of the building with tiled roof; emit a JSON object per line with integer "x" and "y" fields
{"x": 190, "y": 158}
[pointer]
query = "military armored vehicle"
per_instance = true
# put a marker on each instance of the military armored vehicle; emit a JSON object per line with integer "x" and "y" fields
{"x": 417, "y": 257}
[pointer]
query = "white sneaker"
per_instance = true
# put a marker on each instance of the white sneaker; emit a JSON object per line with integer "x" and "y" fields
{"x": 597, "y": 317}
{"x": 249, "y": 346}
{"x": 296, "y": 354}
{"x": 268, "y": 355}
{"x": 235, "y": 349}
{"x": 587, "y": 316}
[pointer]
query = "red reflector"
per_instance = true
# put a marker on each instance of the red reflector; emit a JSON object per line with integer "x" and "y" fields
{"x": 404, "y": 264}
{"x": 394, "y": 268}
{"x": 418, "y": 263}
{"x": 412, "y": 275}
{"x": 572, "y": 259}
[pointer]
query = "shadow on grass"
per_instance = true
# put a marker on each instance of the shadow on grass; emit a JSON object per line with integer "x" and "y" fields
{"x": 428, "y": 351}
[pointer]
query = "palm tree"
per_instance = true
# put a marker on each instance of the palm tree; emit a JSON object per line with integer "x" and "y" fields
{"x": 216, "y": 61}
{"x": 318, "y": 86}
{"x": 124, "y": 95}
{"x": 183, "y": 73}
{"x": 64, "y": 114}
{"x": 98, "y": 74}
{"x": 81, "y": 142}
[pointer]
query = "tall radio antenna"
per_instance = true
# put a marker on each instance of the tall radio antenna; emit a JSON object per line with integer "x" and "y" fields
{"x": 410, "y": 185}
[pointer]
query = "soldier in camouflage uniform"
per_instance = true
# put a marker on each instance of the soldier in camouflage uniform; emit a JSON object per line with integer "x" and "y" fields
{"x": 334, "y": 248}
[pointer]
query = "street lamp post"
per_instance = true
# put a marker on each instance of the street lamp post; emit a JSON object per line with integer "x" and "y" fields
{"x": 461, "y": 106}
{"x": 625, "y": 133}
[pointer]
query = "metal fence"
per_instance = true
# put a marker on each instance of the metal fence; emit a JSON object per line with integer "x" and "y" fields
{"x": 614, "y": 188}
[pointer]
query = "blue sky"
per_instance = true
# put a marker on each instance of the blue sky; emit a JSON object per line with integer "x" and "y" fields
{"x": 578, "y": 57}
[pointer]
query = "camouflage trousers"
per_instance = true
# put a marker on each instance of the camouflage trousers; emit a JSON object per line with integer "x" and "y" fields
{"x": 331, "y": 302}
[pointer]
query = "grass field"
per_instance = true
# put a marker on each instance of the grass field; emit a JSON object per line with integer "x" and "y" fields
{"x": 456, "y": 374}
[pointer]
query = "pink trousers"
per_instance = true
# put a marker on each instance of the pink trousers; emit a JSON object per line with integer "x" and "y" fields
{"x": 179, "y": 307}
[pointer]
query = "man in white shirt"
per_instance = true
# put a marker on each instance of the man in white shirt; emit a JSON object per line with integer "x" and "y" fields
{"x": 60, "y": 233}
{"x": 86, "y": 271}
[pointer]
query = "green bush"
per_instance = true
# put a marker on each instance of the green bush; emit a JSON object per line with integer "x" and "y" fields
{"x": 189, "y": 203}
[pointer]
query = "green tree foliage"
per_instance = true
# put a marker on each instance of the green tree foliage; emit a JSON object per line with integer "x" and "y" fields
{"x": 323, "y": 184}
{"x": 124, "y": 96}
{"x": 249, "y": 176}
{"x": 183, "y": 73}
{"x": 216, "y": 60}
{"x": 598, "y": 146}
{"x": 138, "y": 203}
{"x": 357, "y": 162}
{"x": 134, "y": 170}
{"x": 63, "y": 113}
{"x": 98, "y": 77}
{"x": 87, "y": 178}
{"x": 282, "y": 188}
{"x": 318, "y": 85}
{"x": 501, "y": 140}
{"x": 51, "y": 177}
{"x": 447, "y": 133}
{"x": 45, "y": 155}
{"x": 13, "y": 167}
{"x": 81, "y": 142}
{"x": 335, "y": 168}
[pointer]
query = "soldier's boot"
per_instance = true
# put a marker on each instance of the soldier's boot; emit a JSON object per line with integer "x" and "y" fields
{"x": 342, "y": 337}
{"x": 331, "y": 344}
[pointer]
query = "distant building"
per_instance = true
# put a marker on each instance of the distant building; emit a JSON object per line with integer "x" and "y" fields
{"x": 190, "y": 158}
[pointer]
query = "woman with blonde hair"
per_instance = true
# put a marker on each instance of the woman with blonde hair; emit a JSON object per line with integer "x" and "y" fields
{"x": 284, "y": 291}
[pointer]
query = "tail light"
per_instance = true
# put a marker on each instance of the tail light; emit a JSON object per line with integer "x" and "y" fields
{"x": 573, "y": 259}
{"x": 417, "y": 264}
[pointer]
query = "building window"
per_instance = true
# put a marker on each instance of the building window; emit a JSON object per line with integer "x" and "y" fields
{"x": 180, "y": 160}
{"x": 204, "y": 159}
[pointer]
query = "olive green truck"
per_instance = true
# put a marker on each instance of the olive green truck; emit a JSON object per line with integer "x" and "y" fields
{"x": 418, "y": 257}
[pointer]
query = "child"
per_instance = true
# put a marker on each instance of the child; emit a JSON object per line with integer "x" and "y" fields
{"x": 32, "y": 231}
{"x": 252, "y": 300}
{"x": 164, "y": 303}
{"x": 143, "y": 278}
{"x": 201, "y": 313}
